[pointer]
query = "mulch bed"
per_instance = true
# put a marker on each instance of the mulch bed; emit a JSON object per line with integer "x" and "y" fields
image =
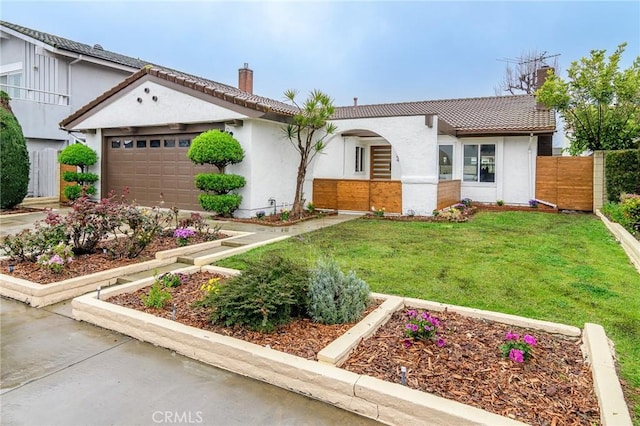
{"x": 554, "y": 387}
{"x": 274, "y": 219}
{"x": 94, "y": 262}
{"x": 301, "y": 337}
{"x": 507, "y": 208}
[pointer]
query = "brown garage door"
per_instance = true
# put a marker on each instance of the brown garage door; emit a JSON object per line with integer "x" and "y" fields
{"x": 154, "y": 168}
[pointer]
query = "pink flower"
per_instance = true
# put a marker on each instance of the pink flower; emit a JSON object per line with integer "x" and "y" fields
{"x": 407, "y": 343}
{"x": 512, "y": 336}
{"x": 440, "y": 342}
{"x": 530, "y": 340}
{"x": 411, "y": 313}
{"x": 516, "y": 355}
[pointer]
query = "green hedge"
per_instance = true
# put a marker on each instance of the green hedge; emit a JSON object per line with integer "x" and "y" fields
{"x": 14, "y": 163}
{"x": 80, "y": 177}
{"x": 215, "y": 147}
{"x": 219, "y": 183}
{"x": 622, "y": 173}
{"x": 78, "y": 155}
{"x": 222, "y": 204}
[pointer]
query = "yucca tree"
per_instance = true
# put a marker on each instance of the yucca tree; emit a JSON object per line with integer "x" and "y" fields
{"x": 307, "y": 133}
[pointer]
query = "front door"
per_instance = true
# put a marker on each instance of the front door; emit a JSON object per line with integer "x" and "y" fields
{"x": 380, "y": 162}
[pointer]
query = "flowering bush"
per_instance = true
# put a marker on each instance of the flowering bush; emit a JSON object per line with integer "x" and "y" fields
{"x": 157, "y": 297}
{"x": 533, "y": 204}
{"x": 466, "y": 202}
{"x": 422, "y": 326}
{"x": 459, "y": 206}
{"x": 57, "y": 259}
{"x": 516, "y": 349}
{"x": 182, "y": 236}
{"x": 211, "y": 286}
{"x": 377, "y": 212}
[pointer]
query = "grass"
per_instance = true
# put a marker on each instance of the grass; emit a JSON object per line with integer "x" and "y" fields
{"x": 561, "y": 268}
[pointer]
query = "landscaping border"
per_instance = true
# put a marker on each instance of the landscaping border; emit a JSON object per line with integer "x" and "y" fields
{"x": 628, "y": 242}
{"x": 389, "y": 403}
{"x": 39, "y": 295}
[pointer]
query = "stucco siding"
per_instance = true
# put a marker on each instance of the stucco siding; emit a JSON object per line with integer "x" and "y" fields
{"x": 519, "y": 169}
{"x": 88, "y": 81}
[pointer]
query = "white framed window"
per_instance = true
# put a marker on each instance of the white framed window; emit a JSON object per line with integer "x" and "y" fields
{"x": 11, "y": 82}
{"x": 359, "y": 159}
{"x": 479, "y": 163}
{"x": 445, "y": 162}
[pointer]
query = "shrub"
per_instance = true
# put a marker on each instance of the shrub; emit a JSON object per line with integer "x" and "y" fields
{"x": 268, "y": 292}
{"x": 81, "y": 156}
{"x": 219, "y": 183}
{"x": 630, "y": 208}
{"x": 223, "y": 204}
{"x": 157, "y": 297}
{"x": 14, "y": 166}
{"x": 336, "y": 298}
{"x": 170, "y": 279}
{"x": 614, "y": 212}
{"x": 622, "y": 173}
{"x": 88, "y": 223}
{"x": 215, "y": 147}
{"x": 78, "y": 155}
{"x": 140, "y": 226}
{"x": 311, "y": 207}
{"x": 55, "y": 260}
{"x": 28, "y": 245}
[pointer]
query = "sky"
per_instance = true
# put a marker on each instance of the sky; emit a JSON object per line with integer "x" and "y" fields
{"x": 377, "y": 51}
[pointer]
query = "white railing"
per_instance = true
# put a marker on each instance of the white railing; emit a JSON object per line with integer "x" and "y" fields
{"x": 35, "y": 95}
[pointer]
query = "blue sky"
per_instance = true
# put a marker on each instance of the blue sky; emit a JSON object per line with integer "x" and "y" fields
{"x": 377, "y": 51}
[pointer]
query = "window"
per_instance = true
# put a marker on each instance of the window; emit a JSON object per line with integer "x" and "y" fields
{"x": 12, "y": 83}
{"x": 479, "y": 168}
{"x": 359, "y": 159}
{"x": 115, "y": 143}
{"x": 128, "y": 143}
{"x": 141, "y": 144}
{"x": 446, "y": 162}
{"x": 169, "y": 143}
{"x": 154, "y": 143}
{"x": 184, "y": 143}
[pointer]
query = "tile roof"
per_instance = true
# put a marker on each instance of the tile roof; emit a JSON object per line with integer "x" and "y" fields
{"x": 75, "y": 47}
{"x": 470, "y": 115}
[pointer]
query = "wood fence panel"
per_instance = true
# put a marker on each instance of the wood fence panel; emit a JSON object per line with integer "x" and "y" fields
{"x": 448, "y": 193}
{"x": 575, "y": 183}
{"x": 63, "y": 184}
{"x": 387, "y": 194}
{"x": 353, "y": 195}
{"x": 325, "y": 193}
{"x": 547, "y": 179}
{"x": 565, "y": 181}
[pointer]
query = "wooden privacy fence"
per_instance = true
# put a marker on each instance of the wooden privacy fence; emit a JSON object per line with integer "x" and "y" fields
{"x": 565, "y": 181}
{"x": 357, "y": 195}
{"x": 448, "y": 193}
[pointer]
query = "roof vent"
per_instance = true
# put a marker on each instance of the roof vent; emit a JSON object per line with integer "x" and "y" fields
{"x": 97, "y": 47}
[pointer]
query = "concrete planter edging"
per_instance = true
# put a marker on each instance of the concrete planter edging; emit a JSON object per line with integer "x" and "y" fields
{"x": 39, "y": 295}
{"x": 630, "y": 245}
{"x": 386, "y": 402}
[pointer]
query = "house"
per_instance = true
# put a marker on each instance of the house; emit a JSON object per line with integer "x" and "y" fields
{"x": 406, "y": 157}
{"x": 49, "y": 77}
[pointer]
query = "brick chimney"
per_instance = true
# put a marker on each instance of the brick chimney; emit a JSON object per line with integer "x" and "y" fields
{"x": 541, "y": 77}
{"x": 245, "y": 79}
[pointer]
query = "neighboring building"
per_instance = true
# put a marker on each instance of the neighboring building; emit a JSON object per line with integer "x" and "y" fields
{"x": 406, "y": 157}
{"x": 48, "y": 77}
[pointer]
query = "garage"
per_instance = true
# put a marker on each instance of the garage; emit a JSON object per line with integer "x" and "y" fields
{"x": 154, "y": 167}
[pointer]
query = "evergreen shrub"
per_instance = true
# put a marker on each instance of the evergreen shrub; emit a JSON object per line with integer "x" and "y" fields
{"x": 14, "y": 163}
{"x": 622, "y": 173}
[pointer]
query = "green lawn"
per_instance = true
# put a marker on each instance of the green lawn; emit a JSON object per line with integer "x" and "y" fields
{"x": 561, "y": 268}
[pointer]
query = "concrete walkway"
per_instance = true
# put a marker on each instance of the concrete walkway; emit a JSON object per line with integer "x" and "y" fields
{"x": 55, "y": 370}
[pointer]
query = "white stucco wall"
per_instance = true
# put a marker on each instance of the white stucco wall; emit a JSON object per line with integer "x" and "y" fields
{"x": 171, "y": 106}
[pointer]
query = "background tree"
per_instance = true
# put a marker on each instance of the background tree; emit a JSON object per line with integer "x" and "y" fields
{"x": 219, "y": 149}
{"x": 520, "y": 73}
{"x": 599, "y": 103}
{"x": 82, "y": 156}
{"x": 14, "y": 158}
{"x": 307, "y": 133}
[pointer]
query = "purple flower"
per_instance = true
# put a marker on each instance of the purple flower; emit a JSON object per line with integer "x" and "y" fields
{"x": 407, "y": 343}
{"x": 411, "y": 313}
{"x": 512, "y": 336}
{"x": 183, "y": 233}
{"x": 530, "y": 340}
{"x": 440, "y": 342}
{"x": 516, "y": 355}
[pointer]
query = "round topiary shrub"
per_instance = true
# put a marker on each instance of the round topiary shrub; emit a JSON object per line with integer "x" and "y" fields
{"x": 215, "y": 147}
{"x": 14, "y": 179}
{"x": 81, "y": 156}
{"x": 219, "y": 149}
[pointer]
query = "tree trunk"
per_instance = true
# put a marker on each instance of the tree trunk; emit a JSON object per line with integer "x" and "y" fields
{"x": 297, "y": 209}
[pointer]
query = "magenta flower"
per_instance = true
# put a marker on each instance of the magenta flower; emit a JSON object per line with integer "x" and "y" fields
{"x": 440, "y": 342}
{"x": 411, "y": 313}
{"x": 530, "y": 340}
{"x": 516, "y": 355}
{"x": 407, "y": 343}
{"x": 512, "y": 336}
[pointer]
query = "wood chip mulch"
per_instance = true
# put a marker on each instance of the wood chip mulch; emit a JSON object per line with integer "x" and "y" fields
{"x": 553, "y": 388}
{"x": 94, "y": 262}
{"x": 301, "y": 337}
